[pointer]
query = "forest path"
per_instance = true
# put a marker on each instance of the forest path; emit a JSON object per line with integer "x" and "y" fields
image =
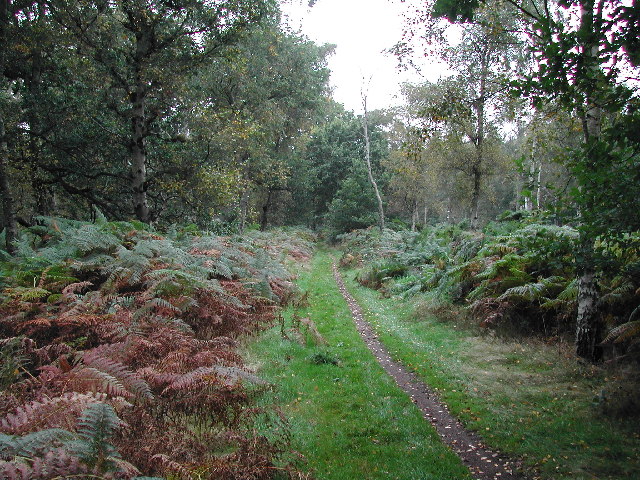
{"x": 483, "y": 463}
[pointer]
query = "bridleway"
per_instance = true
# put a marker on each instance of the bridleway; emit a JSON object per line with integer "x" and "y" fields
{"x": 484, "y": 464}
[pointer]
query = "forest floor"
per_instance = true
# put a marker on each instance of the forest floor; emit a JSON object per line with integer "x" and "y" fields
{"x": 350, "y": 420}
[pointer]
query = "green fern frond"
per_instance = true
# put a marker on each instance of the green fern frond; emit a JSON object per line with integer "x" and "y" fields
{"x": 529, "y": 292}
{"x": 32, "y": 444}
{"x": 625, "y": 290}
{"x": 262, "y": 288}
{"x": 219, "y": 268}
{"x": 91, "y": 238}
{"x": 151, "y": 305}
{"x": 27, "y": 294}
{"x": 12, "y": 360}
{"x": 479, "y": 292}
{"x": 101, "y": 219}
{"x": 164, "y": 278}
{"x": 128, "y": 265}
{"x": 570, "y": 292}
{"x": 566, "y": 299}
{"x": 115, "y": 302}
{"x": 95, "y": 429}
{"x": 535, "y": 291}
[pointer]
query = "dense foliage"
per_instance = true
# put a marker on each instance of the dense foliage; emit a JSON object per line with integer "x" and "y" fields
{"x": 222, "y": 117}
{"x": 517, "y": 276}
{"x": 118, "y": 339}
{"x": 159, "y": 111}
{"x": 119, "y": 352}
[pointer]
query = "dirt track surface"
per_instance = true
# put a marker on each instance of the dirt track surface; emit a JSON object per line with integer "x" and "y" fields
{"x": 483, "y": 463}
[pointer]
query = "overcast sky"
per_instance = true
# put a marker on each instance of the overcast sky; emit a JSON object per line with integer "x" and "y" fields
{"x": 361, "y": 29}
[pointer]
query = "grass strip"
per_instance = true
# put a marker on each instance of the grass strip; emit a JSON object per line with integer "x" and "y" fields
{"x": 347, "y": 417}
{"x": 525, "y": 398}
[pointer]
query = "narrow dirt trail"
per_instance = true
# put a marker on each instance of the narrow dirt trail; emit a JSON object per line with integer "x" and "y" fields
{"x": 482, "y": 462}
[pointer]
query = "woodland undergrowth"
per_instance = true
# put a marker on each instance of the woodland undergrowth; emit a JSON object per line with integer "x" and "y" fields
{"x": 118, "y": 352}
{"x": 517, "y": 277}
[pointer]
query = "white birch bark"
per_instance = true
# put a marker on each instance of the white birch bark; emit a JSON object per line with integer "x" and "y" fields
{"x": 367, "y": 152}
{"x": 587, "y": 321}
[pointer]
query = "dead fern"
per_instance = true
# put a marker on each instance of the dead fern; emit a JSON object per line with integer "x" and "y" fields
{"x": 116, "y": 323}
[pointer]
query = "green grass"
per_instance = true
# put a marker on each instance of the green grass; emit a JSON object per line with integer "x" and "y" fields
{"x": 346, "y": 416}
{"x": 529, "y": 399}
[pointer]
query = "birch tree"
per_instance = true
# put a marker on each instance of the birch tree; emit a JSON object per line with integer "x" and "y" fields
{"x": 586, "y": 56}
{"x": 367, "y": 156}
{"x": 473, "y": 101}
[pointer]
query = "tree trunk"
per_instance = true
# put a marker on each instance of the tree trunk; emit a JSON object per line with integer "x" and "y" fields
{"x": 479, "y": 142}
{"x": 475, "y": 199}
{"x": 588, "y": 328}
{"x": 264, "y": 220}
{"x": 367, "y": 151}
{"x": 244, "y": 209}
{"x": 139, "y": 127}
{"x": 8, "y": 210}
{"x": 539, "y": 186}
{"x": 529, "y": 205}
{"x": 42, "y": 193}
{"x": 139, "y": 159}
{"x": 414, "y": 215}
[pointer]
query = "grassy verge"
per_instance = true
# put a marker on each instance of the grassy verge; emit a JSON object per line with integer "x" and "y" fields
{"x": 347, "y": 417}
{"x": 528, "y": 399}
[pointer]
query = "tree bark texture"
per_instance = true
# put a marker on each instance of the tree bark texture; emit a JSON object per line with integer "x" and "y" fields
{"x": 139, "y": 124}
{"x": 529, "y": 205}
{"x": 8, "y": 210}
{"x": 414, "y": 215}
{"x": 44, "y": 199}
{"x": 475, "y": 198}
{"x": 588, "y": 328}
{"x": 539, "y": 186}
{"x": 264, "y": 218}
{"x": 367, "y": 152}
{"x": 479, "y": 135}
{"x": 244, "y": 208}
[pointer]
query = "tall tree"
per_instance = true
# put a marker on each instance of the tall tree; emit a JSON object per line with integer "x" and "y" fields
{"x": 146, "y": 50}
{"x": 336, "y": 192}
{"x": 8, "y": 214}
{"x": 265, "y": 96}
{"x": 586, "y": 58}
{"x": 11, "y": 16}
{"x": 473, "y": 101}
{"x": 367, "y": 157}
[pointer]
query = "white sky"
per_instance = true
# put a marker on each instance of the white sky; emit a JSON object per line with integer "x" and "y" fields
{"x": 361, "y": 29}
